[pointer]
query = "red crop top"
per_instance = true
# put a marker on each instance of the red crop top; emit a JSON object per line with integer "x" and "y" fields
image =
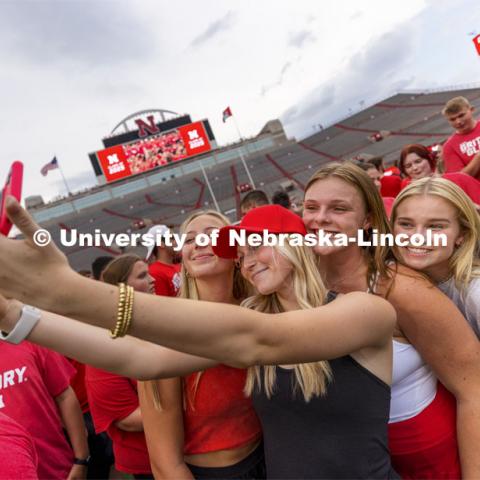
{"x": 218, "y": 415}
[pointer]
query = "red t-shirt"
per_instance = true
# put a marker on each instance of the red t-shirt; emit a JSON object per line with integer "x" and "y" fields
{"x": 218, "y": 415}
{"x": 19, "y": 457}
{"x": 78, "y": 384}
{"x": 31, "y": 377}
{"x": 459, "y": 150}
{"x": 112, "y": 398}
{"x": 167, "y": 278}
{"x": 390, "y": 185}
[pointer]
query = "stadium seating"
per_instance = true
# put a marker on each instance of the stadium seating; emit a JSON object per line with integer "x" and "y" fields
{"x": 407, "y": 118}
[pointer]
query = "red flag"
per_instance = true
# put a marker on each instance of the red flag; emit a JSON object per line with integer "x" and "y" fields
{"x": 227, "y": 113}
{"x": 476, "y": 42}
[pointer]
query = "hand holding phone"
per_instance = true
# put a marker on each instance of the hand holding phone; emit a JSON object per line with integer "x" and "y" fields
{"x": 13, "y": 186}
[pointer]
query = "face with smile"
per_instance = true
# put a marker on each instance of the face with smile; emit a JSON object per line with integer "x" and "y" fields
{"x": 201, "y": 261}
{"x": 416, "y": 167}
{"x": 335, "y": 206}
{"x": 266, "y": 269}
{"x": 462, "y": 121}
{"x": 419, "y": 213}
{"x": 140, "y": 279}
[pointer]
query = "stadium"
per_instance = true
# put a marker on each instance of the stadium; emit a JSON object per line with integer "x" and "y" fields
{"x": 216, "y": 177}
{"x": 241, "y": 240}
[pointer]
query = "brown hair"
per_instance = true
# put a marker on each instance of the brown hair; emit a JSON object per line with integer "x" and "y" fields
{"x": 421, "y": 150}
{"x": 377, "y": 257}
{"x": 377, "y": 162}
{"x": 119, "y": 269}
{"x": 454, "y": 105}
{"x": 255, "y": 198}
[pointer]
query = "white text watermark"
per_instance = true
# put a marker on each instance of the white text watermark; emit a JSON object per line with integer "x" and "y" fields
{"x": 72, "y": 238}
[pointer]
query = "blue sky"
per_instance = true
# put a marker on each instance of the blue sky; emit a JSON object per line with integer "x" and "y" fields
{"x": 71, "y": 70}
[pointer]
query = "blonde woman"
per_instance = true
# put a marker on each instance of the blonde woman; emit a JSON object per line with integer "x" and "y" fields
{"x": 330, "y": 422}
{"x": 314, "y": 415}
{"x": 440, "y": 206}
{"x": 202, "y": 425}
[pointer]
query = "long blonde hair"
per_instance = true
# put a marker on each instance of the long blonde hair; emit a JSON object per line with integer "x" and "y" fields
{"x": 377, "y": 256}
{"x": 188, "y": 289}
{"x": 464, "y": 264}
{"x": 310, "y": 292}
{"x": 188, "y": 284}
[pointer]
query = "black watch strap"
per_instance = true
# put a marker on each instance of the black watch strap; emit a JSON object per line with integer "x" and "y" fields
{"x": 82, "y": 461}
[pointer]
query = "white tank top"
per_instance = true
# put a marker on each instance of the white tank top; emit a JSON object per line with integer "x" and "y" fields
{"x": 414, "y": 385}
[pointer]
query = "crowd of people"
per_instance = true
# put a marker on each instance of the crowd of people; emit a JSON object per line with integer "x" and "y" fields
{"x": 155, "y": 151}
{"x": 248, "y": 362}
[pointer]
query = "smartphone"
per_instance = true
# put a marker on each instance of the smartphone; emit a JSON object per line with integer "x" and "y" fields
{"x": 13, "y": 186}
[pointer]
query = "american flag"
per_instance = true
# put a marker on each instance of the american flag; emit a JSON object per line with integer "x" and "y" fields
{"x": 51, "y": 165}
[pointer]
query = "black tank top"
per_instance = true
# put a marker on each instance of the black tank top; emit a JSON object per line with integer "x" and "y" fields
{"x": 340, "y": 435}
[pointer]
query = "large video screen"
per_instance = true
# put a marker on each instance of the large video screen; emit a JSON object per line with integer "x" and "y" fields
{"x": 154, "y": 151}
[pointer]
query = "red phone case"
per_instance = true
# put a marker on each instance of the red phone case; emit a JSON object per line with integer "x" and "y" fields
{"x": 13, "y": 186}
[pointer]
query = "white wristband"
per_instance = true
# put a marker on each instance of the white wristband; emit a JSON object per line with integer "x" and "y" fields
{"x": 28, "y": 319}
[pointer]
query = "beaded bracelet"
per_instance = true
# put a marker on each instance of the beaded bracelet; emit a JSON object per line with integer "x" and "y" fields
{"x": 124, "y": 311}
{"x": 128, "y": 312}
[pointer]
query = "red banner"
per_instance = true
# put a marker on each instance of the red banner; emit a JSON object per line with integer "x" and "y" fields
{"x": 194, "y": 138}
{"x": 114, "y": 163}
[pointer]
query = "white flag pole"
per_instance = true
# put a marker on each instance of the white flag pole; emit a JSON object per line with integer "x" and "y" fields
{"x": 242, "y": 158}
{"x": 209, "y": 187}
{"x": 63, "y": 176}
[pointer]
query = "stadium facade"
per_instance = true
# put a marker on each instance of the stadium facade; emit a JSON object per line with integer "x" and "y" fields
{"x": 167, "y": 194}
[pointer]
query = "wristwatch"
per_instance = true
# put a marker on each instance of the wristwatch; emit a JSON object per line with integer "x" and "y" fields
{"x": 82, "y": 461}
{"x": 28, "y": 319}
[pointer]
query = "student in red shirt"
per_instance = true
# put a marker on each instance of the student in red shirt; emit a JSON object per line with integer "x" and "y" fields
{"x": 161, "y": 266}
{"x": 417, "y": 162}
{"x": 461, "y": 152}
{"x": 203, "y": 425}
{"x": 376, "y": 178}
{"x": 19, "y": 457}
{"x": 113, "y": 399}
{"x": 36, "y": 394}
{"x": 389, "y": 178}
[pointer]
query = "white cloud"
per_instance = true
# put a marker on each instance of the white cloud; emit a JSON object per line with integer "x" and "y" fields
{"x": 72, "y": 70}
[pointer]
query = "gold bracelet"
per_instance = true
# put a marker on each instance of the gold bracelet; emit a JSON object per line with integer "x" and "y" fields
{"x": 122, "y": 298}
{"x": 128, "y": 311}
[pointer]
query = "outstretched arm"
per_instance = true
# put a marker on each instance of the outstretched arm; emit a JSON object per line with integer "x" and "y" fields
{"x": 227, "y": 333}
{"x": 128, "y": 356}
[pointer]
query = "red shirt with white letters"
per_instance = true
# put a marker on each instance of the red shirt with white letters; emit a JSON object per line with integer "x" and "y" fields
{"x": 459, "y": 150}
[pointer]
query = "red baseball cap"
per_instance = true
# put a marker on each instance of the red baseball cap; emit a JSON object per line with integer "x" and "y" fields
{"x": 273, "y": 218}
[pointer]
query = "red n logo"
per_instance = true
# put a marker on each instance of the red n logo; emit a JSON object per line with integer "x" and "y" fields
{"x": 145, "y": 128}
